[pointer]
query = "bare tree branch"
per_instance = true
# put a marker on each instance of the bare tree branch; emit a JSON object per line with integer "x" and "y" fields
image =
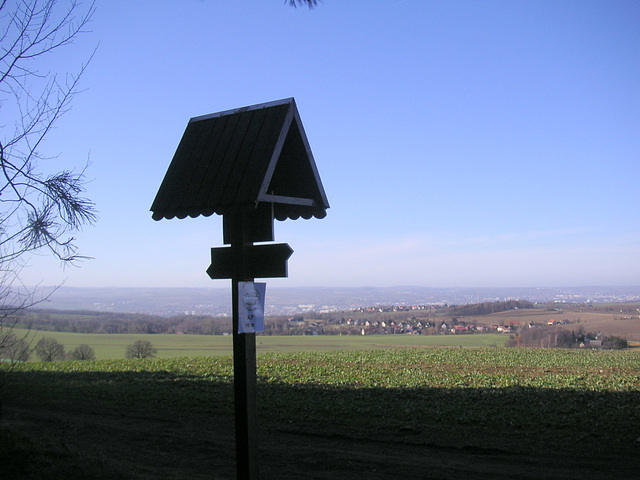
{"x": 307, "y": 3}
{"x": 40, "y": 210}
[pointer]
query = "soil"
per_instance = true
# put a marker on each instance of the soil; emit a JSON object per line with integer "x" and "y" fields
{"x": 88, "y": 443}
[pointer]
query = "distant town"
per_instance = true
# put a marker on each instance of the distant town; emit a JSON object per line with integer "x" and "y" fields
{"x": 289, "y": 301}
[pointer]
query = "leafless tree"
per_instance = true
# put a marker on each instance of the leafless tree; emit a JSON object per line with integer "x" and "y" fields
{"x": 83, "y": 352}
{"x": 41, "y": 207}
{"x": 49, "y": 349}
{"x": 141, "y": 349}
{"x": 14, "y": 349}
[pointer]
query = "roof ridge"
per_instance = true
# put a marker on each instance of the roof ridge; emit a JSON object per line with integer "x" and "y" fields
{"x": 248, "y": 108}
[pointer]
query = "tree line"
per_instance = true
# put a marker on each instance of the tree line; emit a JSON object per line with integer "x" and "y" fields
{"x": 555, "y": 337}
{"x": 74, "y": 321}
{"x": 132, "y": 323}
{"x": 48, "y": 349}
{"x": 487, "y": 308}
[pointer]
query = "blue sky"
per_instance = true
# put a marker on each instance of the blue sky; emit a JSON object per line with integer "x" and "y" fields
{"x": 460, "y": 143}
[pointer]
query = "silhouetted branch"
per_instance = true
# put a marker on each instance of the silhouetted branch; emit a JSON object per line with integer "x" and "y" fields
{"x": 307, "y": 3}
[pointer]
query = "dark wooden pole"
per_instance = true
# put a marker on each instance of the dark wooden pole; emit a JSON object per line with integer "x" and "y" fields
{"x": 244, "y": 360}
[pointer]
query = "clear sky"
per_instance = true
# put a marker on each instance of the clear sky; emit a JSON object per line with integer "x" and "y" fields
{"x": 460, "y": 143}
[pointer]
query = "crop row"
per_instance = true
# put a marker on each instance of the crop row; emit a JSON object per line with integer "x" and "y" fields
{"x": 405, "y": 368}
{"x": 454, "y": 368}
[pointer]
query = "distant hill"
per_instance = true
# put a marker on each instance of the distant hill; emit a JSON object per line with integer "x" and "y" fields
{"x": 217, "y": 301}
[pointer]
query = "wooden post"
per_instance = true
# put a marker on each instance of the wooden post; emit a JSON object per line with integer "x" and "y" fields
{"x": 244, "y": 176}
{"x": 244, "y": 359}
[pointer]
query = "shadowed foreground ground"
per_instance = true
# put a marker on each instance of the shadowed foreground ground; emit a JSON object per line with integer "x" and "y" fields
{"x": 147, "y": 425}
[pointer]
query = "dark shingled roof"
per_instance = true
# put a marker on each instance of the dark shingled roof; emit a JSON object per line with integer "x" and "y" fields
{"x": 239, "y": 158}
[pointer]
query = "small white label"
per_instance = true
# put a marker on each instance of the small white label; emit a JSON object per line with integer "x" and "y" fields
{"x": 251, "y": 307}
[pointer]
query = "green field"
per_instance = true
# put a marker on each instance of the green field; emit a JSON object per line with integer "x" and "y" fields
{"x": 411, "y": 413}
{"x": 113, "y": 347}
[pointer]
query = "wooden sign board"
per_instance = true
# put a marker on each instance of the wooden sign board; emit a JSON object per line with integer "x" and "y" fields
{"x": 264, "y": 261}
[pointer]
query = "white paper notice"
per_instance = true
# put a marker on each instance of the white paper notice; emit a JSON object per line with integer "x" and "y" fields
{"x": 251, "y": 307}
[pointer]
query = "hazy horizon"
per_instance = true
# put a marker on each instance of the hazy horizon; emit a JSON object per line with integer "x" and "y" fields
{"x": 169, "y": 301}
{"x": 284, "y": 286}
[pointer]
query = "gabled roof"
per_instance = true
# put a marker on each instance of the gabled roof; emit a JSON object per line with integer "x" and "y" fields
{"x": 239, "y": 158}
